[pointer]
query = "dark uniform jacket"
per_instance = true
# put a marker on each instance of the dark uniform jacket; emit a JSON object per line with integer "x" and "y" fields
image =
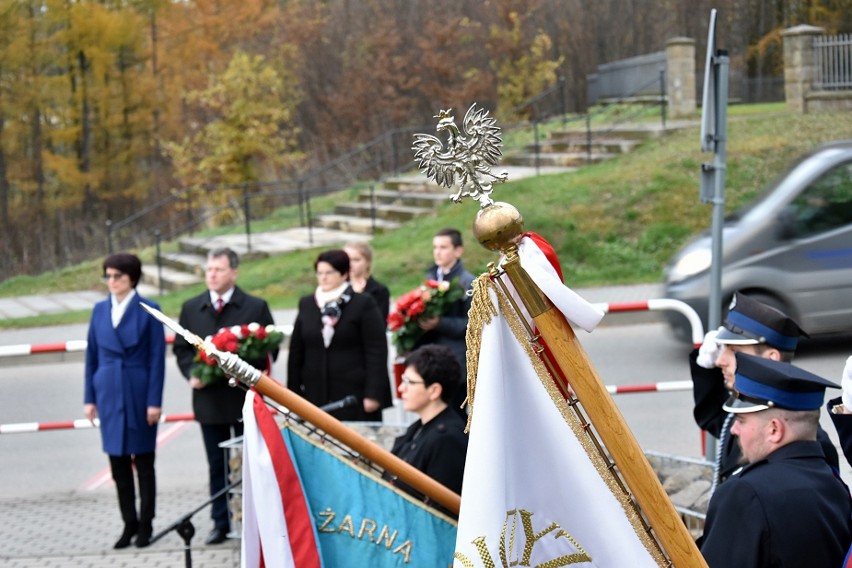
{"x": 709, "y": 393}
{"x": 437, "y": 448}
{"x": 125, "y": 370}
{"x": 218, "y": 403}
{"x": 355, "y": 362}
{"x": 788, "y": 510}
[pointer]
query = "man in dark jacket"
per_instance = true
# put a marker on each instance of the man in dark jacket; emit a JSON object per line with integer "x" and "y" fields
{"x": 217, "y": 406}
{"x": 450, "y": 328}
{"x": 756, "y": 329}
{"x": 786, "y": 508}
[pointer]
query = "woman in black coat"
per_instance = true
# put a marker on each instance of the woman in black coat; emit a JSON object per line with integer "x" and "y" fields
{"x": 361, "y": 278}
{"x": 339, "y": 347}
{"x": 436, "y": 443}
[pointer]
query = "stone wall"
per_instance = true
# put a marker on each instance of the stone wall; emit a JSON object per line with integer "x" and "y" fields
{"x": 800, "y": 74}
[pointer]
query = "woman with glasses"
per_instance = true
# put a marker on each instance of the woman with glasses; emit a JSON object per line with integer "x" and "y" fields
{"x": 339, "y": 347}
{"x": 436, "y": 443}
{"x": 125, "y": 369}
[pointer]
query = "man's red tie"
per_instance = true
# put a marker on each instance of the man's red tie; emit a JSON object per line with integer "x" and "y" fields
{"x": 220, "y": 305}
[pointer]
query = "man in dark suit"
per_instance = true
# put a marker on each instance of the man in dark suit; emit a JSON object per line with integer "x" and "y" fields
{"x": 786, "y": 507}
{"x": 450, "y": 328}
{"x": 217, "y": 406}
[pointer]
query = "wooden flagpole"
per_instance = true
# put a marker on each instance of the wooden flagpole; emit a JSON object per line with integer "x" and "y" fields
{"x": 499, "y": 226}
{"x": 267, "y": 386}
{"x": 370, "y": 450}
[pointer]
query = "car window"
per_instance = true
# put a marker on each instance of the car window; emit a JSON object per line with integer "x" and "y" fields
{"x": 826, "y": 204}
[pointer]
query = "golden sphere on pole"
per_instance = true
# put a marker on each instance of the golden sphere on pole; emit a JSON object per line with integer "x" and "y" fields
{"x": 498, "y": 225}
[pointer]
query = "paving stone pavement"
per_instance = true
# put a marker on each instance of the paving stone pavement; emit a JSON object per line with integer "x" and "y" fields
{"x": 77, "y": 530}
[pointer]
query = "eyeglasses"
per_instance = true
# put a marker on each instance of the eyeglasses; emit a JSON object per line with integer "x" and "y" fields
{"x": 406, "y": 380}
{"x": 113, "y": 276}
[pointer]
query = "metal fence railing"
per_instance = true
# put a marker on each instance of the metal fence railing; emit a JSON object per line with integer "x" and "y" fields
{"x": 833, "y": 61}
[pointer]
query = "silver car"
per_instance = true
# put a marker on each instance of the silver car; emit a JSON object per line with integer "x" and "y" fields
{"x": 791, "y": 248}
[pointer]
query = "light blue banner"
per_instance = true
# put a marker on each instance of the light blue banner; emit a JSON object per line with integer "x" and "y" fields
{"x": 361, "y": 521}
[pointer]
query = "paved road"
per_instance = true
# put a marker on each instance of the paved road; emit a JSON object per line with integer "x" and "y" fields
{"x": 59, "y": 509}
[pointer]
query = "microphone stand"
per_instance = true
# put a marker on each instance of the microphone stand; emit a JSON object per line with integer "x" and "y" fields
{"x": 184, "y": 526}
{"x": 186, "y": 529}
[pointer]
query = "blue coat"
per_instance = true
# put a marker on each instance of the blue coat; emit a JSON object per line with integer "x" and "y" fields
{"x": 125, "y": 370}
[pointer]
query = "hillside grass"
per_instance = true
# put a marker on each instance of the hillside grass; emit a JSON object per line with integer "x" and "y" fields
{"x": 616, "y": 222}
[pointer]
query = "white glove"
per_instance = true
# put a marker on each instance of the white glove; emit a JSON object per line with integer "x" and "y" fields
{"x": 709, "y": 350}
{"x": 846, "y": 384}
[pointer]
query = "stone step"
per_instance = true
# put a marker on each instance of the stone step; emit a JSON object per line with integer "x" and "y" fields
{"x": 629, "y": 131}
{"x": 562, "y": 159}
{"x": 579, "y": 144}
{"x": 203, "y": 245}
{"x": 416, "y": 184}
{"x": 186, "y": 262}
{"x": 412, "y": 198}
{"x": 169, "y": 279}
{"x": 399, "y": 213}
{"x": 351, "y": 224}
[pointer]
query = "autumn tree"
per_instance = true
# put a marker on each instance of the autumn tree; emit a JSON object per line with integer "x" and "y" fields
{"x": 251, "y": 134}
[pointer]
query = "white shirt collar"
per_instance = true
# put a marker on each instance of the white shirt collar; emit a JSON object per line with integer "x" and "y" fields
{"x": 226, "y": 297}
{"x": 119, "y": 308}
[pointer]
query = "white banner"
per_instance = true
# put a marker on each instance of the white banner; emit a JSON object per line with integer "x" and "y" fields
{"x": 535, "y": 493}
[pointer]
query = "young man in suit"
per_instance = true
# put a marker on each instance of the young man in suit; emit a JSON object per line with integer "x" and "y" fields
{"x": 217, "y": 406}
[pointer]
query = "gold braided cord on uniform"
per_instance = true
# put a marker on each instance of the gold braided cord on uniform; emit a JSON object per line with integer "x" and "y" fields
{"x": 482, "y": 312}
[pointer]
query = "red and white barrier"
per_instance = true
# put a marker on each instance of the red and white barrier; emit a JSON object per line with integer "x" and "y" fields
{"x": 658, "y": 305}
{"x": 81, "y": 424}
{"x": 79, "y": 346}
{"x": 668, "y": 386}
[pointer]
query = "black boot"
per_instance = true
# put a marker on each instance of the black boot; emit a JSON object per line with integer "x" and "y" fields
{"x": 143, "y": 537}
{"x": 122, "y": 474}
{"x": 147, "y": 497}
{"x": 127, "y": 536}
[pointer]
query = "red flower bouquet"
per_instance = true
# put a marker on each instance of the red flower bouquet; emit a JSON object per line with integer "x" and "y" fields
{"x": 431, "y": 299}
{"x": 252, "y": 342}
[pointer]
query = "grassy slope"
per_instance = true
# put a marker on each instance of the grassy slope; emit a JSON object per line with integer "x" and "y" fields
{"x": 611, "y": 223}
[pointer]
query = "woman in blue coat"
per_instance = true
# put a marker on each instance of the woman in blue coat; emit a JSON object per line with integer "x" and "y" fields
{"x": 125, "y": 369}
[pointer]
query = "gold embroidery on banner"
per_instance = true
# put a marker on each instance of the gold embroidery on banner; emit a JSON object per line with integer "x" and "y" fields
{"x": 327, "y": 513}
{"x": 405, "y": 550}
{"x": 466, "y": 563}
{"x": 482, "y": 549}
{"x": 483, "y": 315}
{"x": 373, "y": 525}
{"x": 504, "y": 552}
{"x": 387, "y": 537}
{"x": 481, "y": 312}
{"x": 373, "y": 477}
{"x": 346, "y": 526}
{"x": 368, "y": 527}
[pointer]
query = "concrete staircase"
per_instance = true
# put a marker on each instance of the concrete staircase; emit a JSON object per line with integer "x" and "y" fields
{"x": 379, "y": 211}
{"x": 400, "y": 199}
